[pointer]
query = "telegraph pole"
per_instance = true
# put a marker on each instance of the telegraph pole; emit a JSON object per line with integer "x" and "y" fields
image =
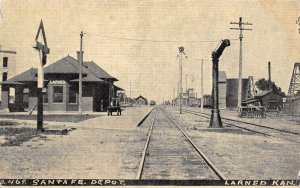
{"x": 180, "y": 82}
{"x": 130, "y": 90}
{"x": 240, "y": 23}
{"x": 298, "y": 23}
{"x": 186, "y": 85}
{"x": 269, "y": 72}
{"x": 181, "y": 51}
{"x": 80, "y": 75}
{"x": 201, "y": 85}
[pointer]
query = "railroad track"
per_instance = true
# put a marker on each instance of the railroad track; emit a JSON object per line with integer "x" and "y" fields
{"x": 169, "y": 153}
{"x": 256, "y": 128}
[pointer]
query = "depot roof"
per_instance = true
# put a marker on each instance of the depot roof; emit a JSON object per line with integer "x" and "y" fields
{"x": 27, "y": 76}
{"x": 67, "y": 65}
{"x": 89, "y": 78}
{"x": 98, "y": 71}
{"x": 140, "y": 97}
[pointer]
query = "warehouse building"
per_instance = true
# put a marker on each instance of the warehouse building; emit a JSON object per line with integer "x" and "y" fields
{"x": 292, "y": 106}
{"x": 140, "y": 100}
{"x": 192, "y": 100}
{"x": 270, "y": 99}
{"x": 232, "y": 91}
{"x": 62, "y": 87}
{"x": 8, "y": 70}
{"x": 222, "y": 89}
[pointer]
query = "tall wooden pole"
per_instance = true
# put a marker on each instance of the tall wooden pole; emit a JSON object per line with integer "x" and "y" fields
{"x": 80, "y": 76}
{"x": 269, "y": 72}
{"x": 180, "y": 82}
{"x": 186, "y": 84}
{"x": 202, "y": 85}
{"x": 240, "y": 23}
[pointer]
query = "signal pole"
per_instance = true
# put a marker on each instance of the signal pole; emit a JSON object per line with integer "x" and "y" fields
{"x": 186, "y": 86}
{"x": 43, "y": 51}
{"x": 80, "y": 75}
{"x": 240, "y": 23}
{"x": 130, "y": 89}
{"x": 298, "y": 22}
{"x": 201, "y": 85}
{"x": 181, "y": 51}
{"x": 180, "y": 78}
{"x": 269, "y": 74}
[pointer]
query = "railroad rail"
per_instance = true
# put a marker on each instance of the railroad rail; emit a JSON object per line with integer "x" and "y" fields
{"x": 167, "y": 140}
{"x": 283, "y": 133}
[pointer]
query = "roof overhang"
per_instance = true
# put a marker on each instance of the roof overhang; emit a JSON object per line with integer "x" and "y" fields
{"x": 11, "y": 83}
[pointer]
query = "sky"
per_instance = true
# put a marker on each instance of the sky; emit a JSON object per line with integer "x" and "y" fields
{"x": 149, "y": 63}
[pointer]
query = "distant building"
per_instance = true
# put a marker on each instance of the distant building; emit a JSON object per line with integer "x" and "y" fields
{"x": 61, "y": 82}
{"x": 192, "y": 99}
{"x": 140, "y": 100}
{"x": 222, "y": 89}
{"x": 292, "y": 106}
{"x": 207, "y": 101}
{"x": 188, "y": 99}
{"x": 232, "y": 91}
{"x": 8, "y": 69}
{"x": 270, "y": 99}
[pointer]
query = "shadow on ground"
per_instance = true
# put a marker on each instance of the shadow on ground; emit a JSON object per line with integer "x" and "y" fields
{"x": 225, "y": 130}
{"x": 8, "y": 123}
{"x": 74, "y": 118}
{"x": 17, "y": 136}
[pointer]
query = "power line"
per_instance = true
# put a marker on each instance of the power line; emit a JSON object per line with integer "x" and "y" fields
{"x": 151, "y": 40}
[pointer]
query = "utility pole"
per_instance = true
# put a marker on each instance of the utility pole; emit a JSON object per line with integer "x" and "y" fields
{"x": 80, "y": 75}
{"x": 186, "y": 85}
{"x": 181, "y": 51}
{"x": 130, "y": 89}
{"x": 180, "y": 82}
{"x": 240, "y": 23}
{"x": 298, "y": 23}
{"x": 201, "y": 85}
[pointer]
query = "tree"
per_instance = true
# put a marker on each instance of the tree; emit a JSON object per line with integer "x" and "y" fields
{"x": 263, "y": 85}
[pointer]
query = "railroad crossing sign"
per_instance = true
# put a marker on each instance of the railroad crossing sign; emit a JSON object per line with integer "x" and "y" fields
{"x": 43, "y": 49}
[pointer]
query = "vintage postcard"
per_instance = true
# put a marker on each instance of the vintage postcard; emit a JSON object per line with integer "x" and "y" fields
{"x": 150, "y": 92}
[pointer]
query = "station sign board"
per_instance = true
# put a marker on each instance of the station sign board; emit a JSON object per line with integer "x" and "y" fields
{"x": 57, "y": 82}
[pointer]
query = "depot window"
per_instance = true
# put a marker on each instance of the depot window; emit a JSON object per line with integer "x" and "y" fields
{"x": 58, "y": 94}
{"x": 73, "y": 97}
{"x": 4, "y": 76}
{"x": 45, "y": 98}
{"x": 5, "y": 61}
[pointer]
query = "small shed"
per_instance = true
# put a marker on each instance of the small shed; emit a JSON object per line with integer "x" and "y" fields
{"x": 270, "y": 99}
{"x": 140, "y": 100}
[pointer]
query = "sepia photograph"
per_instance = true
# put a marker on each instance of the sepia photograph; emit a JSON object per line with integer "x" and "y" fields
{"x": 150, "y": 92}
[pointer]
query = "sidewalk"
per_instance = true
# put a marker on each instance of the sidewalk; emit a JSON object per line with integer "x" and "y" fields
{"x": 100, "y": 147}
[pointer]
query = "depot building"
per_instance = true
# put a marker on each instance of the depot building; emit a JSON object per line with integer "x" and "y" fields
{"x": 61, "y": 92}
